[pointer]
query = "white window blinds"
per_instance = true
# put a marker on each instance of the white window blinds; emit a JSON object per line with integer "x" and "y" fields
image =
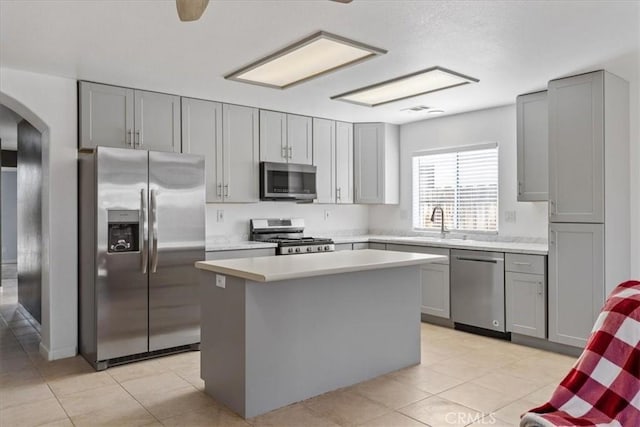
{"x": 463, "y": 182}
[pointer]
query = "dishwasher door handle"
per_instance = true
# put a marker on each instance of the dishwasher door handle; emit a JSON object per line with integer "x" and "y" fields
{"x": 489, "y": 260}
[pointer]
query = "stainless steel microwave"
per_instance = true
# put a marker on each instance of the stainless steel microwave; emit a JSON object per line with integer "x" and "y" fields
{"x": 287, "y": 181}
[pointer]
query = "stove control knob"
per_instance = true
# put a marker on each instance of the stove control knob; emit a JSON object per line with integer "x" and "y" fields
{"x": 309, "y": 249}
{"x": 298, "y": 250}
{"x": 326, "y": 248}
{"x": 290, "y": 250}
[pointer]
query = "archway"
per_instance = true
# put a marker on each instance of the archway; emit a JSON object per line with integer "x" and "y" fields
{"x": 40, "y": 127}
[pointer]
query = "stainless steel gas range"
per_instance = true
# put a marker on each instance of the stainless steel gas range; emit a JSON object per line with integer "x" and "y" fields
{"x": 288, "y": 233}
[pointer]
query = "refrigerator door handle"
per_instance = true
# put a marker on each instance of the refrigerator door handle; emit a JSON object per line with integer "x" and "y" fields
{"x": 145, "y": 231}
{"x": 154, "y": 231}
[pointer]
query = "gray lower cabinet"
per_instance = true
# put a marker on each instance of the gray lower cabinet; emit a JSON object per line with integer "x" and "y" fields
{"x": 576, "y": 281}
{"x": 434, "y": 278}
{"x": 525, "y": 302}
{"x": 240, "y": 253}
{"x": 126, "y": 118}
{"x": 343, "y": 246}
{"x": 378, "y": 246}
{"x": 526, "y": 294}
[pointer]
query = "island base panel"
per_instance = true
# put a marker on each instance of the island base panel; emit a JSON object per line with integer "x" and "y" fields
{"x": 266, "y": 345}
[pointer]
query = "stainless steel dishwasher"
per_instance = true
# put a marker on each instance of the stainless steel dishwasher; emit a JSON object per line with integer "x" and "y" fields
{"x": 477, "y": 289}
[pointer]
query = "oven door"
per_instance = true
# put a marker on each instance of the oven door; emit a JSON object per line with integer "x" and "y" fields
{"x": 287, "y": 181}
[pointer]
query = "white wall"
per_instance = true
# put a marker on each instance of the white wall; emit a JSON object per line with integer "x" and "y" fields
{"x": 495, "y": 124}
{"x": 50, "y": 104}
{"x": 9, "y": 216}
{"x": 342, "y": 220}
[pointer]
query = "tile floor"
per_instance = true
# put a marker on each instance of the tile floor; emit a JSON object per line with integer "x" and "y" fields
{"x": 463, "y": 379}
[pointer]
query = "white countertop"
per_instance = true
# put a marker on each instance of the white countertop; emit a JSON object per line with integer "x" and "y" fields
{"x": 451, "y": 243}
{"x": 269, "y": 269}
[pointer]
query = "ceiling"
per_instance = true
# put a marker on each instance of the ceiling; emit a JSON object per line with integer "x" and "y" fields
{"x": 511, "y": 47}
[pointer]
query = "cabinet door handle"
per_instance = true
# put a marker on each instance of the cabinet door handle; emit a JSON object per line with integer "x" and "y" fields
{"x": 540, "y": 288}
{"x": 137, "y": 141}
{"x": 290, "y": 152}
{"x": 521, "y": 263}
{"x": 219, "y": 190}
{"x": 226, "y": 190}
{"x": 520, "y": 188}
{"x": 552, "y": 207}
{"x": 283, "y": 152}
{"x": 552, "y": 240}
{"x": 338, "y": 193}
{"x": 130, "y": 133}
{"x": 145, "y": 231}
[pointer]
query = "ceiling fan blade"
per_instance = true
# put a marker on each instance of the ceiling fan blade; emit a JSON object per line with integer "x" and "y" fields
{"x": 191, "y": 10}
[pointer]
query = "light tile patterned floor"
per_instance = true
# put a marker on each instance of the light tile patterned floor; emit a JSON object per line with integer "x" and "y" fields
{"x": 463, "y": 379}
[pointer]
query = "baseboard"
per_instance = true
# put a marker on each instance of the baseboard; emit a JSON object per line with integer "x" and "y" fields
{"x": 60, "y": 353}
{"x": 439, "y": 321}
{"x": 543, "y": 344}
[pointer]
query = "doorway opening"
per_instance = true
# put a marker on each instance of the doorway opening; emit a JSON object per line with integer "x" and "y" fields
{"x": 21, "y": 228}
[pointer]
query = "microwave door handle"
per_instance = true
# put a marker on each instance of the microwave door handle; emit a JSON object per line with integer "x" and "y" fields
{"x": 154, "y": 231}
{"x": 145, "y": 231}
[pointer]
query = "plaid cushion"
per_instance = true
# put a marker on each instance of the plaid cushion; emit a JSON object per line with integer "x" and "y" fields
{"x": 603, "y": 388}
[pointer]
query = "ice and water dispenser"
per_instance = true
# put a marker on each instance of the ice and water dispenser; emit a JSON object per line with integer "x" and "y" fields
{"x": 123, "y": 231}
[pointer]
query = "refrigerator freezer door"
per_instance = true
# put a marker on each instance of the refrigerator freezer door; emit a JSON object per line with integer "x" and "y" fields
{"x": 121, "y": 283}
{"x": 177, "y": 241}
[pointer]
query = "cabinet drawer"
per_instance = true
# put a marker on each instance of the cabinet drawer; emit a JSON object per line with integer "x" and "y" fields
{"x": 361, "y": 245}
{"x": 378, "y": 246}
{"x": 240, "y": 253}
{"x": 343, "y": 246}
{"x": 524, "y": 263}
{"x": 421, "y": 250}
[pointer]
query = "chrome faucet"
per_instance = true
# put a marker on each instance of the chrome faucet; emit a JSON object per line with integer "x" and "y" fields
{"x": 433, "y": 217}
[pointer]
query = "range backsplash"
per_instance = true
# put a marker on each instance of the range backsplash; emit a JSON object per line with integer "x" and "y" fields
{"x": 341, "y": 220}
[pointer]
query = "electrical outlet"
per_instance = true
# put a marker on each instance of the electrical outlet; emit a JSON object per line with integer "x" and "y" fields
{"x": 509, "y": 216}
{"x": 220, "y": 215}
{"x": 327, "y": 214}
{"x": 221, "y": 281}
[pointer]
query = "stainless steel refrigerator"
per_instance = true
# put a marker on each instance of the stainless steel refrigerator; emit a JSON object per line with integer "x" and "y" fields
{"x": 141, "y": 220}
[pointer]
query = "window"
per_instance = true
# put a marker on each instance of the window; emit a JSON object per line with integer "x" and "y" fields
{"x": 463, "y": 182}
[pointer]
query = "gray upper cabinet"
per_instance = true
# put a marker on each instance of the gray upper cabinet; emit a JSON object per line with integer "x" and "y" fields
{"x": 300, "y": 139}
{"x": 285, "y": 138}
{"x": 576, "y": 149}
{"x": 344, "y": 162}
{"x": 376, "y": 163}
{"x": 273, "y": 136}
{"x": 120, "y": 117}
{"x": 227, "y": 137}
{"x": 324, "y": 158}
{"x": 157, "y": 121}
{"x": 533, "y": 143}
{"x": 240, "y": 136}
{"x": 576, "y": 281}
{"x": 106, "y": 116}
{"x": 202, "y": 134}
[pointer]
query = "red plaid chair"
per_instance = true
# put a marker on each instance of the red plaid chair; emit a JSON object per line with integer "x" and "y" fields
{"x": 603, "y": 388}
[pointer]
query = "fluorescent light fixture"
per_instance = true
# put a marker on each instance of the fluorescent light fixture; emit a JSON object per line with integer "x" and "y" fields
{"x": 414, "y": 84}
{"x": 310, "y": 57}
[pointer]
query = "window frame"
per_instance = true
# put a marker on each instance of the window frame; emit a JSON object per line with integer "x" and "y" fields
{"x": 447, "y": 150}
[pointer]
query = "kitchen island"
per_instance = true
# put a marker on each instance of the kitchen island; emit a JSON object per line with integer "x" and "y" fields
{"x": 276, "y": 330}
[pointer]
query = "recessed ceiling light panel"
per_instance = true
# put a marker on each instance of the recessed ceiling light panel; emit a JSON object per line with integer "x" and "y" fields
{"x": 414, "y": 84}
{"x": 311, "y": 57}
